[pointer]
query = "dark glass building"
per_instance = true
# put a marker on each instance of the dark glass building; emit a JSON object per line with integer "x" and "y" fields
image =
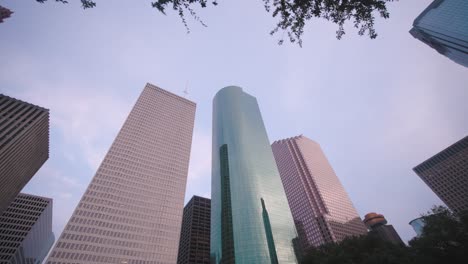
{"x": 194, "y": 245}
{"x": 443, "y": 25}
{"x": 250, "y": 218}
{"x": 377, "y": 225}
{"x": 26, "y": 230}
{"x": 446, "y": 174}
{"x": 24, "y": 145}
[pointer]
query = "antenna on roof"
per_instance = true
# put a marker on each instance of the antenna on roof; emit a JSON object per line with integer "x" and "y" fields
{"x": 186, "y": 89}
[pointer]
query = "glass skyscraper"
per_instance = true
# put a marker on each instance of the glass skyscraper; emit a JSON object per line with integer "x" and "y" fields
{"x": 250, "y": 217}
{"x": 443, "y": 25}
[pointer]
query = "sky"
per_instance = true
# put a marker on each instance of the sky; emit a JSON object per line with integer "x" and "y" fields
{"x": 377, "y": 107}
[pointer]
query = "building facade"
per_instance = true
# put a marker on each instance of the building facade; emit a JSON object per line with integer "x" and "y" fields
{"x": 377, "y": 225}
{"x": 446, "y": 173}
{"x": 322, "y": 211}
{"x": 250, "y": 218}
{"x": 443, "y": 26}
{"x": 131, "y": 211}
{"x": 194, "y": 245}
{"x": 24, "y": 145}
{"x": 26, "y": 230}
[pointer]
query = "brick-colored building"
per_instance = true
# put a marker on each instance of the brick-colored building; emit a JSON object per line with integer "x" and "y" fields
{"x": 321, "y": 208}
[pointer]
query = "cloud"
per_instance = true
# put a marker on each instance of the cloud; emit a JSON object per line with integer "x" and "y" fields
{"x": 86, "y": 116}
{"x": 199, "y": 175}
{"x": 200, "y": 158}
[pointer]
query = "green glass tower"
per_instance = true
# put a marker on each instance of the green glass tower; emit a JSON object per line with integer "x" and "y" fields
{"x": 250, "y": 217}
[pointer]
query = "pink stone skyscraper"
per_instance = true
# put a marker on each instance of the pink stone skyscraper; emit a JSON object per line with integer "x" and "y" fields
{"x": 132, "y": 210}
{"x": 320, "y": 206}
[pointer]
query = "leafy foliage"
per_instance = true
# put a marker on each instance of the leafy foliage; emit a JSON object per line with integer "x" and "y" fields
{"x": 362, "y": 250}
{"x": 84, "y": 3}
{"x": 444, "y": 240}
{"x": 292, "y": 14}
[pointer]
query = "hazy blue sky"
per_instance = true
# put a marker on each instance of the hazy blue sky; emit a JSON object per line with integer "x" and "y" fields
{"x": 377, "y": 107}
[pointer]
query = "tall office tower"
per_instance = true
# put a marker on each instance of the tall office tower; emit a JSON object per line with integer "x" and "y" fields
{"x": 322, "y": 210}
{"x": 194, "y": 245}
{"x": 446, "y": 174}
{"x": 443, "y": 26}
{"x": 377, "y": 225}
{"x": 132, "y": 209}
{"x": 4, "y": 13}
{"x": 26, "y": 230}
{"x": 250, "y": 217}
{"x": 24, "y": 145}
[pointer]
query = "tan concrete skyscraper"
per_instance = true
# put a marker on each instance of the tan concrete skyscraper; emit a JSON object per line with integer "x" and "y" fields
{"x": 24, "y": 145}
{"x": 320, "y": 206}
{"x": 132, "y": 209}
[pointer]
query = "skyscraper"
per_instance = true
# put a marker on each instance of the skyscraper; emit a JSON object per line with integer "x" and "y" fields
{"x": 322, "y": 210}
{"x": 446, "y": 173}
{"x": 194, "y": 245}
{"x": 131, "y": 211}
{"x": 250, "y": 217}
{"x": 24, "y": 145}
{"x": 443, "y": 26}
{"x": 26, "y": 230}
{"x": 377, "y": 225}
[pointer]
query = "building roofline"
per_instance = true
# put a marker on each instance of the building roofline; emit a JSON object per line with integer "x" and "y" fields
{"x": 170, "y": 93}
{"x": 441, "y": 156}
{"x": 36, "y": 196}
{"x": 24, "y": 102}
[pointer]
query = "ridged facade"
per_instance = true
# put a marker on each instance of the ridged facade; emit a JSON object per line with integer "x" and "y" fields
{"x": 26, "y": 230}
{"x": 322, "y": 210}
{"x": 194, "y": 246}
{"x": 24, "y": 145}
{"x": 250, "y": 217}
{"x": 443, "y": 27}
{"x": 131, "y": 211}
{"x": 446, "y": 173}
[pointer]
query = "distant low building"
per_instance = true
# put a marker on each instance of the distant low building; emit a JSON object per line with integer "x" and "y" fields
{"x": 4, "y": 13}
{"x": 418, "y": 225}
{"x": 26, "y": 230}
{"x": 377, "y": 225}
